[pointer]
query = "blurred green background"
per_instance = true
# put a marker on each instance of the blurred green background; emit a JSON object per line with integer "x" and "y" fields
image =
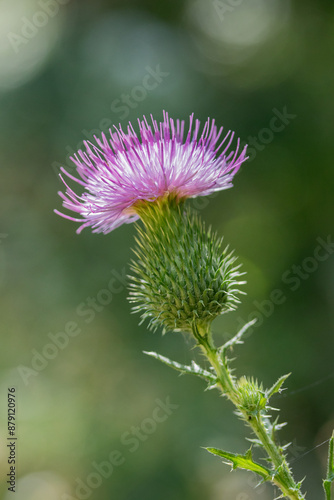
{"x": 71, "y": 69}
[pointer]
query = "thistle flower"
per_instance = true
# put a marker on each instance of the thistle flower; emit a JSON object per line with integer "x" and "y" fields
{"x": 122, "y": 171}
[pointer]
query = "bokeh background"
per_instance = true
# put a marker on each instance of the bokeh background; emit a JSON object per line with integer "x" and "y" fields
{"x": 69, "y": 69}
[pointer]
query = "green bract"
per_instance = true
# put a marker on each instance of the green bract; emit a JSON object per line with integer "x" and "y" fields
{"x": 182, "y": 274}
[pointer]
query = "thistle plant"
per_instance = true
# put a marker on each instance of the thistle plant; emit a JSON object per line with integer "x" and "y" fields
{"x": 183, "y": 277}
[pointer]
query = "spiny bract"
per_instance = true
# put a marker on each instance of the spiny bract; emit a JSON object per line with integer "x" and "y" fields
{"x": 182, "y": 274}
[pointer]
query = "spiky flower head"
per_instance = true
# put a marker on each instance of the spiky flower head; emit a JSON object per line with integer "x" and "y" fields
{"x": 119, "y": 172}
{"x": 182, "y": 274}
{"x": 252, "y": 397}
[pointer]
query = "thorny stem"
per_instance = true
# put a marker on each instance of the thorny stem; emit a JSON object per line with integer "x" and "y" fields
{"x": 282, "y": 476}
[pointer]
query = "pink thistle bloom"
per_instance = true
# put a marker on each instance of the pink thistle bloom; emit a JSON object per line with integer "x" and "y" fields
{"x": 124, "y": 170}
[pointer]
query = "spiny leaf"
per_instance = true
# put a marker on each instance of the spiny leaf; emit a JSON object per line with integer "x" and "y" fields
{"x": 255, "y": 441}
{"x": 237, "y": 338}
{"x": 277, "y": 386}
{"x": 193, "y": 369}
{"x": 327, "y": 483}
{"x": 300, "y": 484}
{"x": 275, "y": 426}
{"x": 242, "y": 462}
{"x": 284, "y": 447}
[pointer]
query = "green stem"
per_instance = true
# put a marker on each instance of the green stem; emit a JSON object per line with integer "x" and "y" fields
{"x": 283, "y": 477}
{"x": 327, "y": 483}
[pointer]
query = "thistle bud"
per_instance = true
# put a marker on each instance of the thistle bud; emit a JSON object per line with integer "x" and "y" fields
{"x": 252, "y": 397}
{"x": 181, "y": 274}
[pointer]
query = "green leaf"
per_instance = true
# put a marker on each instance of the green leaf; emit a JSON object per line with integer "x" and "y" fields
{"x": 237, "y": 338}
{"x": 277, "y": 386}
{"x": 242, "y": 462}
{"x": 193, "y": 369}
{"x": 327, "y": 483}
